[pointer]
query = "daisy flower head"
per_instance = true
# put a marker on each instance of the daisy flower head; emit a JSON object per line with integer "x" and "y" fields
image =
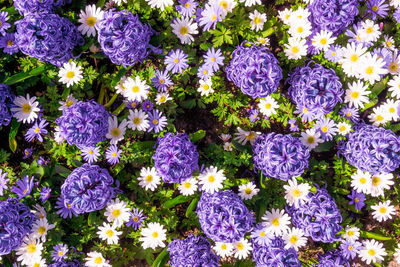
{"x": 176, "y": 61}
{"x": 296, "y": 48}
{"x": 357, "y": 199}
{"x": 371, "y": 68}
{"x": 113, "y": 154}
{"x": 300, "y": 28}
{"x": 352, "y": 54}
{"x": 372, "y": 251}
{"x": 243, "y": 136}
{"x": 223, "y": 249}
{"x": 188, "y": 187}
{"x": 343, "y": 128}
{"x": 294, "y": 238}
{"x": 4, "y": 25}
{"x": 350, "y": 249}
{"x": 380, "y": 182}
{"x": 383, "y": 211}
{"x": 241, "y": 249}
{"x": 300, "y": 14}
{"x": 369, "y": 31}
{"x": 30, "y": 249}
{"x": 261, "y": 236}
{"x": 136, "y": 89}
{"x": 357, "y": 94}
{"x": 379, "y": 116}
{"x": 351, "y": 233}
{"x": 96, "y": 259}
{"x": 109, "y": 233}
{"x": 262, "y": 41}
{"x": 323, "y": 40}
{"x": 391, "y": 106}
{"x": 162, "y": 98}
{"x": 162, "y": 80}
{"x": 157, "y": 121}
{"x": 117, "y": 212}
{"x": 153, "y": 236}
{"x": 59, "y": 252}
{"x": 276, "y": 221}
{"x": 40, "y": 228}
{"x": 327, "y": 127}
{"x": 205, "y": 72}
{"x": 268, "y": 106}
{"x": 36, "y": 131}
{"x": 121, "y": 89}
{"x": 69, "y": 102}
{"x": 257, "y": 20}
{"x": 393, "y": 62}
{"x": 205, "y": 87}
{"x": 8, "y": 44}
{"x": 26, "y": 108}
{"x": 137, "y": 218}
{"x": 116, "y": 132}
{"x": 295, "y": 193}
{"x": 248, "y": 191}
{"x": 389, "y": 42}
{"x": 147, "y": 105}
{"x": 89, "y": 20}
{"x": 91, "y": 154}
{"x": 137, "y": 120}
{"x": 285, "y": 15}
{"x": 334, "y": 53}
{"x": 187, "y": 7}
{"x": 23, "y": 187}
{"x": 311, "y": 138}
{"x": 377, "y": 8}
{"x": 70, "y": 73}
{"x": 184, "y": 28}
{"x": 228, "y": 146}
{"x": 361, "y": 182}
{"x": 227, "y": 6}
{"x": 214, "y": 59}
{"x": 149, "y": 178}
{"x": 211, "y": 179}
{"x": 210, "y": 16}
{"x": 161, "y": 4}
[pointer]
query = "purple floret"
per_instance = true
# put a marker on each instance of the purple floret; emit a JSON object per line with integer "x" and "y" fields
{"x": 6, "y": 102}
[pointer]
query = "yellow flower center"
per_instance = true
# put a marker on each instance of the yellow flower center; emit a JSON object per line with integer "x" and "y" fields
{"x": 324, "y": 41}
{"x": 135, "y": 89}
{"x": 392, "y": 110}
{"x": 135, "y": 219}
{"x": 354, "y": 58}
{"x": 369, "y": 70}
{"x": 114, "y": 154}
{"x": 212, "y": 59}
{"x": 262, "y": 41}
{"x": 300, "y": 29}
{"x": 206, "y": 87}
{"x": 162, "y": 81}
{"x": 370, "y": 30}
{"x": 356, "y": 200}
{"x": 98, "y": 260}
{"x": 155, "y": 122}
{"x": 294, "y": 239}
{"x": 187, "y": 5}
{"x": 162, "y": 99}
{"x": 248, "y": 191}
{"x": 25, "y": 191}
{"x": 223, "y": 246}
{"x": 275, "y": 222}
{"x": 363, "y": 180}
{"x": 211, "y": 178}
{"x": 239, "y": 246}
{"x": 115, "y": 132}
{"x": 10, "y": 43}
{"x": 382, "y": 210}
{"x": 355, "y": 95}
{"x": 379, "y": 118}
{"x": 348, "y": 114}
{"x": 205, "y": 72}
{"x": 31, "y": 248}
{"x": 36, "y": 265}
{"x": 394, "y": 66}
{"x": 250, "y": 136}
{"x": 70, "y": 74}
{"x": 257, "y": 20}
{"x": 110, "y": 233}
{"x": 371, "y": 252}
{"x": 91, "y": 21}
{"x": 116, "y": 212}
{"x": 37, "y": 130}
{"x": 149, "y": 178}
{"x": 295, "y": 49}
{"x": 176, "y": 60}
{"x": 376, "y": 181}
{"x": 214, "y": 17}
{"x": 333, "y": 54}
{"x": 296, "y": 192}
{"x": 184, "y": 30}
{"x": 60, "y": 253}
{"x": 26, "y": 108}
{"x": 350, "y": 233}
{"x": 350, "y": 247}
{"x": 41, "y": 230}
{"x": 155, "y": 234}
{"x": 375, "y": 8}
{"x": 224, "y": 4}
{"x": 268, "y": 106}
{"x": 389, "y": 43}
{"x": 310, "y": 140}
{"x": 262, "y": 234}
{"x": 136, "y": 120}
{"x": 69, "y": 103}
{"x": 187, "y": 185}
{"x": 90, "y": 152}
{"x": 342, "y": 128}
{"x": 324, "y": 129}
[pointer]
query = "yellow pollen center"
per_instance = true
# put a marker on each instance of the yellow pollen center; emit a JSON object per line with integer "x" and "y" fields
{"x": 135, "y": 219}
{"x": 350, "y": 233}
{"x": 187, "y": 185}
{"x": 296, "y": 192}
{"x": 162, "y": 99}
{"x": 41, "y": 230}
{"x": 98, "y": 260}
{"x": 300, "y": 29}
{"x": 116, "y": 212}
{"x": 115, "y": 132}
{"x": 212, "y": 59}
{"x": 348, "y": 114}
{"x": 36, "y": 265}
{"x": 114, "y": 154}
{"x": 275, "y": 222}
{"x": 250, "y": 136}
{"x": 10, "y": 43}
{"x": 91, "y": 21}
{"x": 37, "y": 130}
{"x": 25, "y": 191}
{"x": 239, "y": 246}
{"x": 295, "y": 49}
{"x": 262, "y": 234}
{"x": 211, "y": 179}
{"x": 205, "y": 72}
{"x": 389, "y": 43}
{"x": 355, "y": 95}
{"x": 354, "y": 58}
{"x": 187, "y": 5}
{"x": 324, "y": 129}
{"x": 60, "y": 253}
{"x": 162, "y": 81}
{"x": 310, "y": 139}
{"x": 155, "y": 234}
{"x": 382, "y": 210}
{"x": 110, "y": 233}
{"x": 356, "y": 200}
{"x": 350, "y": 247}
{"x": 206, "y": 87}
{"x": 26, "y": 108}
{"x": 70, "y": 74}
{"x": 268, "y": 106}
{"x": 149, "y": 178}
{"x": 155, "y": 122}
{"x": 91, "y": 152}
{"x": 135, "y": 89}
{"x": 370, "y": 30}
{"x": 334, "y": 54}
{"x": 69, "y": 206}
{"x": 262, "y": 41}
{"x": 363, "y": 180}
{"x": 394, "y": 66}
{"x": 224, "y": 4}
{"x": 213, "y": 17}
{"x": 176, "y": 60}
{"x": 376, "y": 181}
{"x": 69, "y": 103}
{"x": 137, "y": 120}
{"x": 392, "y": 110}
{"x": 379, "y": 118}
{"x": 293, "y": 239}
{"x": 371, "y": 252}
{"x": 184, "y": 30}
{"x": 324, "y": 41}
{"x": 257, "y": 20}
{"x": 342, "y": 128}
{"x": 31, "y": 248}
{"x": 223, "y": 246}
{"x": 375, "y": 8}
{"x": 247, "y": 191}
{"x": 369, "y": 70}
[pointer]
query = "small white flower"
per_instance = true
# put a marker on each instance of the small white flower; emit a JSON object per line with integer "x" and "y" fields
{"x": 161, "y": 4}
{"x": 380, "y": 182}
{"x": 357, "y": 94}
{"x": 378, "y": 116}
{"x": 117, "y": 212}
{"x": 284, "y": 15}
{"x": 250, "y": 2}
{"x": 300, "y": 28}
{"x": 369, "y": 31}
{"x": 162, "y": 98}
{"x": 116, "y": 133}
{"x": 268, "y": 106}
{"x": 136, "y": 89}
{"x": 228, "y": 146}
{"x": 225, "y": 137}
{"x": 276, "y": 221}
{"x": 243, "y": 136}
{"x": 184, "y": 28}
{"x": 351, "y": 233}
{"x": 257, "y": 20}
{"x": 248, "y": 191}
{"x": 27, "y": 108}
{"x": 109, "y": 233}
{"x": 296, "y": 193}
{"x": 310, "y": 138}
{"x": 40, "y": 228}
{"x": 352, "y": 54}
{"x": 121, "y": 89}
{"x": 69, "y": 102}
{"x": 296, "y": 48}
{"x": 90, "y": 19}
{"x": 343, "y": 128}
{"x": 30, "y": 250}
{"x": 205, "y": 87}
{"x": 323, "y": 40}
{"x": 294, "y": 238}
{"x": 389, "y": 42}
{"x": 153, "y": 236}
{"x": 390, "y": 108}
{"x": 361, "y": 182}
{"x": 95, "y": 259}
{"x": 241, "y": 249}
{"x": 211, "y": 179}
{"x": 383, "y": 211}
{"x": 70, "y": 73}
{"x": 372, "y": 251}
{"x": 149, "y": 179}
{"x": 223, "y": 249}
{"x": 188, "y": 187}
{"x": 137, "y": 120}
{"x": 371, "y": 67}
{"x": 262, "y": 41}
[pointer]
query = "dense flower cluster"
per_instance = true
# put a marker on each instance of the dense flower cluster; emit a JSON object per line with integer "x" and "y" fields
{"x": 332, "y": 258}
{"x": 315, "y": 89}
{"x": 62, "y": 263}
{"x": 319, "y": 218}
{"x": 31, "y": 6}
{"x": 123, "y": 38}
{"x": 255, "y": 70}
{"x": 6, "y": 100}
{"x": 223, "y": 216}
{"x": 47, "y": 37}
{"x": 332, "y": 15}
{"x": 88, "y": 188}
{"x": 274, "y": 254}
{"x": 193, "y": 251}
{"x": 373, "y": 149}
{"x": 16, "y": 222}
{"x": 84, "y": 124}
{"x": 176, "y": 157}
{"x": 280, "y": 156}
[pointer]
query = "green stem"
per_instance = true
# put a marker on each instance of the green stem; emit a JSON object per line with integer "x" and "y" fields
{"x": 112, "y": 100}
{"x": 101, "y": 95}
{"x": 119, "y": 109}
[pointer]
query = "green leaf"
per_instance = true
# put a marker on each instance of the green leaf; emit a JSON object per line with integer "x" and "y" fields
{"x": 326, "y": 146}
{"x": 117, "y": 78}
{"x": 144, "y": 145}
{"x": 161, "y": 259}
{"x": 200, "y": 134}
{"x": 192, "y": 206}
{"x": 175, "y": 201}
{"x": 13, "y": 132}
{"x": 376, "y": 236}
{"x": 19, "y": 77}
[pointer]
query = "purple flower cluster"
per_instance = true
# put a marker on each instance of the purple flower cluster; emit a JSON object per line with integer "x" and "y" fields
{"x": 192, "y": 251}
{"x": 176, "y": 158}
{"x": 123, "y": 38}
{"x": 280, "y": 156}
{"x": 332, "y": 15}
{"x": 16, "y": 222}
{"x": 332, "y": 258}
{"x": 32, "y": 6}
{"x": 274, "y": 254}
{"x": 319, "y": 218}
{"x": 84, "y": 124}
{"x": 315, "y": 88}
{"x": 47, "y": 37}
{"x": 63, "y": 263}
{"x": 88, "y": 188}
{"x": 255, "y": 70}
{"x": 223, "y": 216}
{"x": 373, "y": 149}
{"x": 6, "y": 101}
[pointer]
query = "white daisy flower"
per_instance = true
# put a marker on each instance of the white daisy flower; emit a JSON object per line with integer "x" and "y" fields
{"x": 115, "y": 132}
{"x": 149, "y": 179}
{"x": 57, "y": 135}
{"x": 390, "y": 107}
{"x": 369, "y": 31}
{"x": 117, "y": 212}
{"x": 70, "y": 73}
{"x": 394, "y": 86}
{"x": 299, "y": 14}
{"x": 121, "y": 89}
{"x": 248, "y": 191}
{"x": 188, "y": 187}
{"x": 300, "y": 28}
{"x": 396, "y": 255}
{"x": 343, "y": 128}
{"x": 395, "y": 3}
{"x": 109, "y": 233}
{"x": 276, "y": 221}
{"x": 262, "y": 41}
{"x": 223, "y": 249}
{"x": 26, "y": 110}
{"x": 383, "y": 211}
{"x": 90, "y": 19}
{"x": 137, "y": 120}
{"x": 372, "y": 251}
{"x": 268, "y": 106}
{"x": 39, "y": 211}
{"x": 205, "y": 87}
{"x": 257, "y": 20}
{"x": 352, "y": 54}
{"x": 38, "y": 262}
{"x": 310, "y": 138}
{"x": 184, "y": 28}
{"x": 241, "y": 249}
{"x": 371, "y": 67}
{"x": 162, "y": 98}
{"x": 361, "y": 182}
{"x": 380, "y": 182}
{"x": 285, "y": 15}
{"x": 211, "y": 179}
{"x": 296, "y": 194}
{"x": 294, "y": 238}
{"x": 296, "y": 48}
{"x": 30, "y": 250}
{"x": 351, "y": 233}
{"x": 243, "y": 136}
{"x": 40, "y": 228}
{"x": 389, "y": 42}
{"x": 153, "y": 236}
{"x": 161, "y": 4}
{"x": 323, "y": 40}
{"x": 95, "y": 259}
{"x": 357, "y": 94}
{"x": 378, "y": 116}
{"x": 250, "y": 2}
{"x": 119, "y": 2}
{"x": 69, "y": 102}
{"x": 136, "y": 89}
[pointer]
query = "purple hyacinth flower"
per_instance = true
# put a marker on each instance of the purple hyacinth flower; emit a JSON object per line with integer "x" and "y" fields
{"x": 176, "y": 61}
{"x": 45, "y": 194}
{"x": 157, "y": 121}
{"x": 28, "y": 152}
{"x": 332, "y": 258}
{"x": 3, "y": 181}
{"x": 4, "y": 25}
{"x": 91, "y": 154}
{"x": 113, "y": 154}
{"x": 357, "y": 199}
{"x": 214, "y": 59}
{"x": 137, "y": 218}
{"x": 377, "y": 8}
{"x": 350, "y": 249}
{"x": 59, "y": 252}
{"x": 23, "y": 188}
{"x": 147, "y": 106}
{"x": 8, "y": 44}
{"x": 162, "y": 80}
{"x": 36, "y": 131}
{"x": 187, "y": 7}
